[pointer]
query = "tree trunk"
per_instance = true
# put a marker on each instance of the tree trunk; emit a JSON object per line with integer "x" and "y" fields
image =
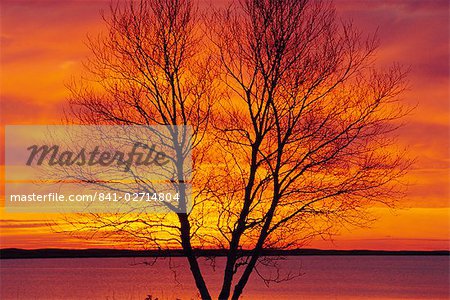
{"x": 193, "y": 263}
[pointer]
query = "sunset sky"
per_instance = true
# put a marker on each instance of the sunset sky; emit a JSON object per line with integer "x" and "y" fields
{"x": 42, "y": 47}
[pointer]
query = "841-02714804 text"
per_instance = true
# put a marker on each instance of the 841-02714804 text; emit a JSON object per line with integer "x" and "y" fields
{"x": 96, "y": 196}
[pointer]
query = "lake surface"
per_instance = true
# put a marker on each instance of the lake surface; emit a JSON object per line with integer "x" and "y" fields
{"x": 323, "y": 277}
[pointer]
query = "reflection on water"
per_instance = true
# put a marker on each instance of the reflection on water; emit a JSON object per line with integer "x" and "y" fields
{"x": 324, "y": 277}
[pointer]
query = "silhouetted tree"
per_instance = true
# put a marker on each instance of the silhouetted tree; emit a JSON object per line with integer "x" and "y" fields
{"x": 298, "y": 142}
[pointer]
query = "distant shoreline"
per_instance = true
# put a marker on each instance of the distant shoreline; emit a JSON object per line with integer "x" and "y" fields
{"x": 14, "y": 253}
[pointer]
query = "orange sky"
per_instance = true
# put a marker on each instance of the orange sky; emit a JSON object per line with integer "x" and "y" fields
{"x": 42, "y": 47}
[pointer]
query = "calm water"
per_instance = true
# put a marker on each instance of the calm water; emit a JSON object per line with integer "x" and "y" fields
{"x": 323, "y": 277}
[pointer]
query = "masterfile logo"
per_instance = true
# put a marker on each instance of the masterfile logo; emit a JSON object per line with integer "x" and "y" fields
{"x": 54, "y": 156}
{"x": 98, "y": 168}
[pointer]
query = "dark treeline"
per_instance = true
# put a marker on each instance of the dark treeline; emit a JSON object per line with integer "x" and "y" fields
{"x": 14, "y": 253}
